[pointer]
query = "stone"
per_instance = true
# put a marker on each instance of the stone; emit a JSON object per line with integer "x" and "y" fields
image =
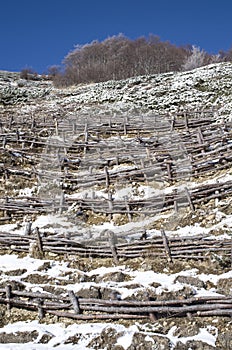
{"x": 18, "y": 337}
{"x": 224, "y": 286}
{"x": 194, "y": 281}
{"x": 142, "y": 341}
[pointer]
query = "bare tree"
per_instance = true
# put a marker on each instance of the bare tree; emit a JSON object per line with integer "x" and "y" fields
{"x": 118, "y": 57}
{"x": 196, "y": 59}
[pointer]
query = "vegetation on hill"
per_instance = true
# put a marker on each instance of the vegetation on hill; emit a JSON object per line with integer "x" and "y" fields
{"x": 119, "y": 57}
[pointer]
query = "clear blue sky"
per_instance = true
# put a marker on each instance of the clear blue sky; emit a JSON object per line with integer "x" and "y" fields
{"x": 40, "y": 33}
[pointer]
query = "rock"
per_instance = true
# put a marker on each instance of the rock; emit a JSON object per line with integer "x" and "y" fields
{"x": 92, "y": 292}
{"x": 45, "y": 266}
{"x": 224, "y": 286}
{"x": 18, "y": 337}
{"x": 45, "y": 338}
{"x": 17, "y": 272}
{"x": 142, "y": 341}
{"x": 15, "y": 285}
{"x": 224, "y": 340}
{"x": 109, "y": 294}
{"x": 74, "y": 339}
{"x": 194, "y": 281}
{"x": 184, "y": 293}
{"x": 113, "y": 276}
{"x": 107, "y": 340}
{"x": 187, "y": 330}
{"x": 37, "y": 279}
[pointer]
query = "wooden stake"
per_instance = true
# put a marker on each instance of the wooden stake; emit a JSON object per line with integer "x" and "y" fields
{"x": 75, "y": 302}
{"x": 125, "y": 127}
{"x": 28, "y": 228}
{"x": 39, "y": 240}
{"x": 128, "y": 212}
{"x": 8, "y": 296}
{"x": 107, "y": 177}
{"x": 110, "y": 204}
{"x": 41, "y": 312}
{"x": 186, "y": 121}
{"x": 189, "y": 199}
{"x": 176, "y": 206}
{"x": 4, "y": 142}
{"x": 166, "y": 245}
{"x": 173, "y": 123}
{"x": 56, "y": 126}
{"x": 169, "y": 171}
{"x": 112, "y": 241}
{"x": 86, "y": 137}
{"x": 62, "y": 201}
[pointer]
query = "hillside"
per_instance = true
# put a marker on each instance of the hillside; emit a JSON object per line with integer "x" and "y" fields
{"x": 203, "y": 88}
{"x": 115, "y": 212}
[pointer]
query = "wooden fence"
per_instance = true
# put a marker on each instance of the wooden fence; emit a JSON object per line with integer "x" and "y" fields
{"x": 88, "y": 309}
{"x": 172, "y": 248}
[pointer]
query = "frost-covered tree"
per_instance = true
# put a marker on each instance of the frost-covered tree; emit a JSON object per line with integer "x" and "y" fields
{"x": 196, "y": 59}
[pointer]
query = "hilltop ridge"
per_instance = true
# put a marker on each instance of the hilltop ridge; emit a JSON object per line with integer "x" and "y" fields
{"x": 208, "y": 87}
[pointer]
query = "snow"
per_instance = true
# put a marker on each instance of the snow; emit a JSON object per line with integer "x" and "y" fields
{"x": 59, "y": 332}
{"x": 11, "y": 262}
{"x": 89, "y": 331}
{"x": 156, "y": 94}
{"x": 204, "y": 335}
{"x": 126, "y": 339}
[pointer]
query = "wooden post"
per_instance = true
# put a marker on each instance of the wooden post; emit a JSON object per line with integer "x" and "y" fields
{"x": 169, "y": 171}
{"x": 41, "y": 313}
{"x": 6, "y": 201}
{"x": 86, "y": 137}
{"x": 186, "y": 121}
{"x": 11, "y": 121}
{"x": 4, "y": 142}
{"x": 231, "y": 254}
{"x": 32, "y": 144}
{"x": 112, "y": 242}
{"x": 74, "y": 127}
{"x": 189, "y": 199}
{"x": 176, "y": 206}
{"x": 62, "y": 201}
{"x": 33, "y": 123}
{"x": 6, "y": 174}
{"x": 128, "y": 211}
{"x": 173, "y": 123}
{"x": 8, "y": 296}
{"x": 107, "y": 177}
{"x": 125, "y": 127}
{"x": 142, "y": 163}
{"x": 216, "y": 199}
{"x": 28, "y": 228}
{"x": 75, "y": 302}
{"x": 200, "y": 137}
{"x": 110, "y": 204}
{"x": 56, "y": 126}
{"x": 17, "y": 135}
{"x": 148, "y": 153}
{"x": 166, "y": 245}
{"x": 39, "y": 240}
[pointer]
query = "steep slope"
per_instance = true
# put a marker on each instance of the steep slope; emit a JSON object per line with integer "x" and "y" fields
{"x": 204, "y": 88}
{"x": 119, "y": 192}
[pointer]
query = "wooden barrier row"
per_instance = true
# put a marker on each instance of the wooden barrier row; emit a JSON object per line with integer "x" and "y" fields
{"x": 86, "y": 309}
{"x": 193, "y": 247}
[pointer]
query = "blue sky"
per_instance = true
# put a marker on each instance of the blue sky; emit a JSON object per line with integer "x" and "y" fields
{"x": 40, "y": 33}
